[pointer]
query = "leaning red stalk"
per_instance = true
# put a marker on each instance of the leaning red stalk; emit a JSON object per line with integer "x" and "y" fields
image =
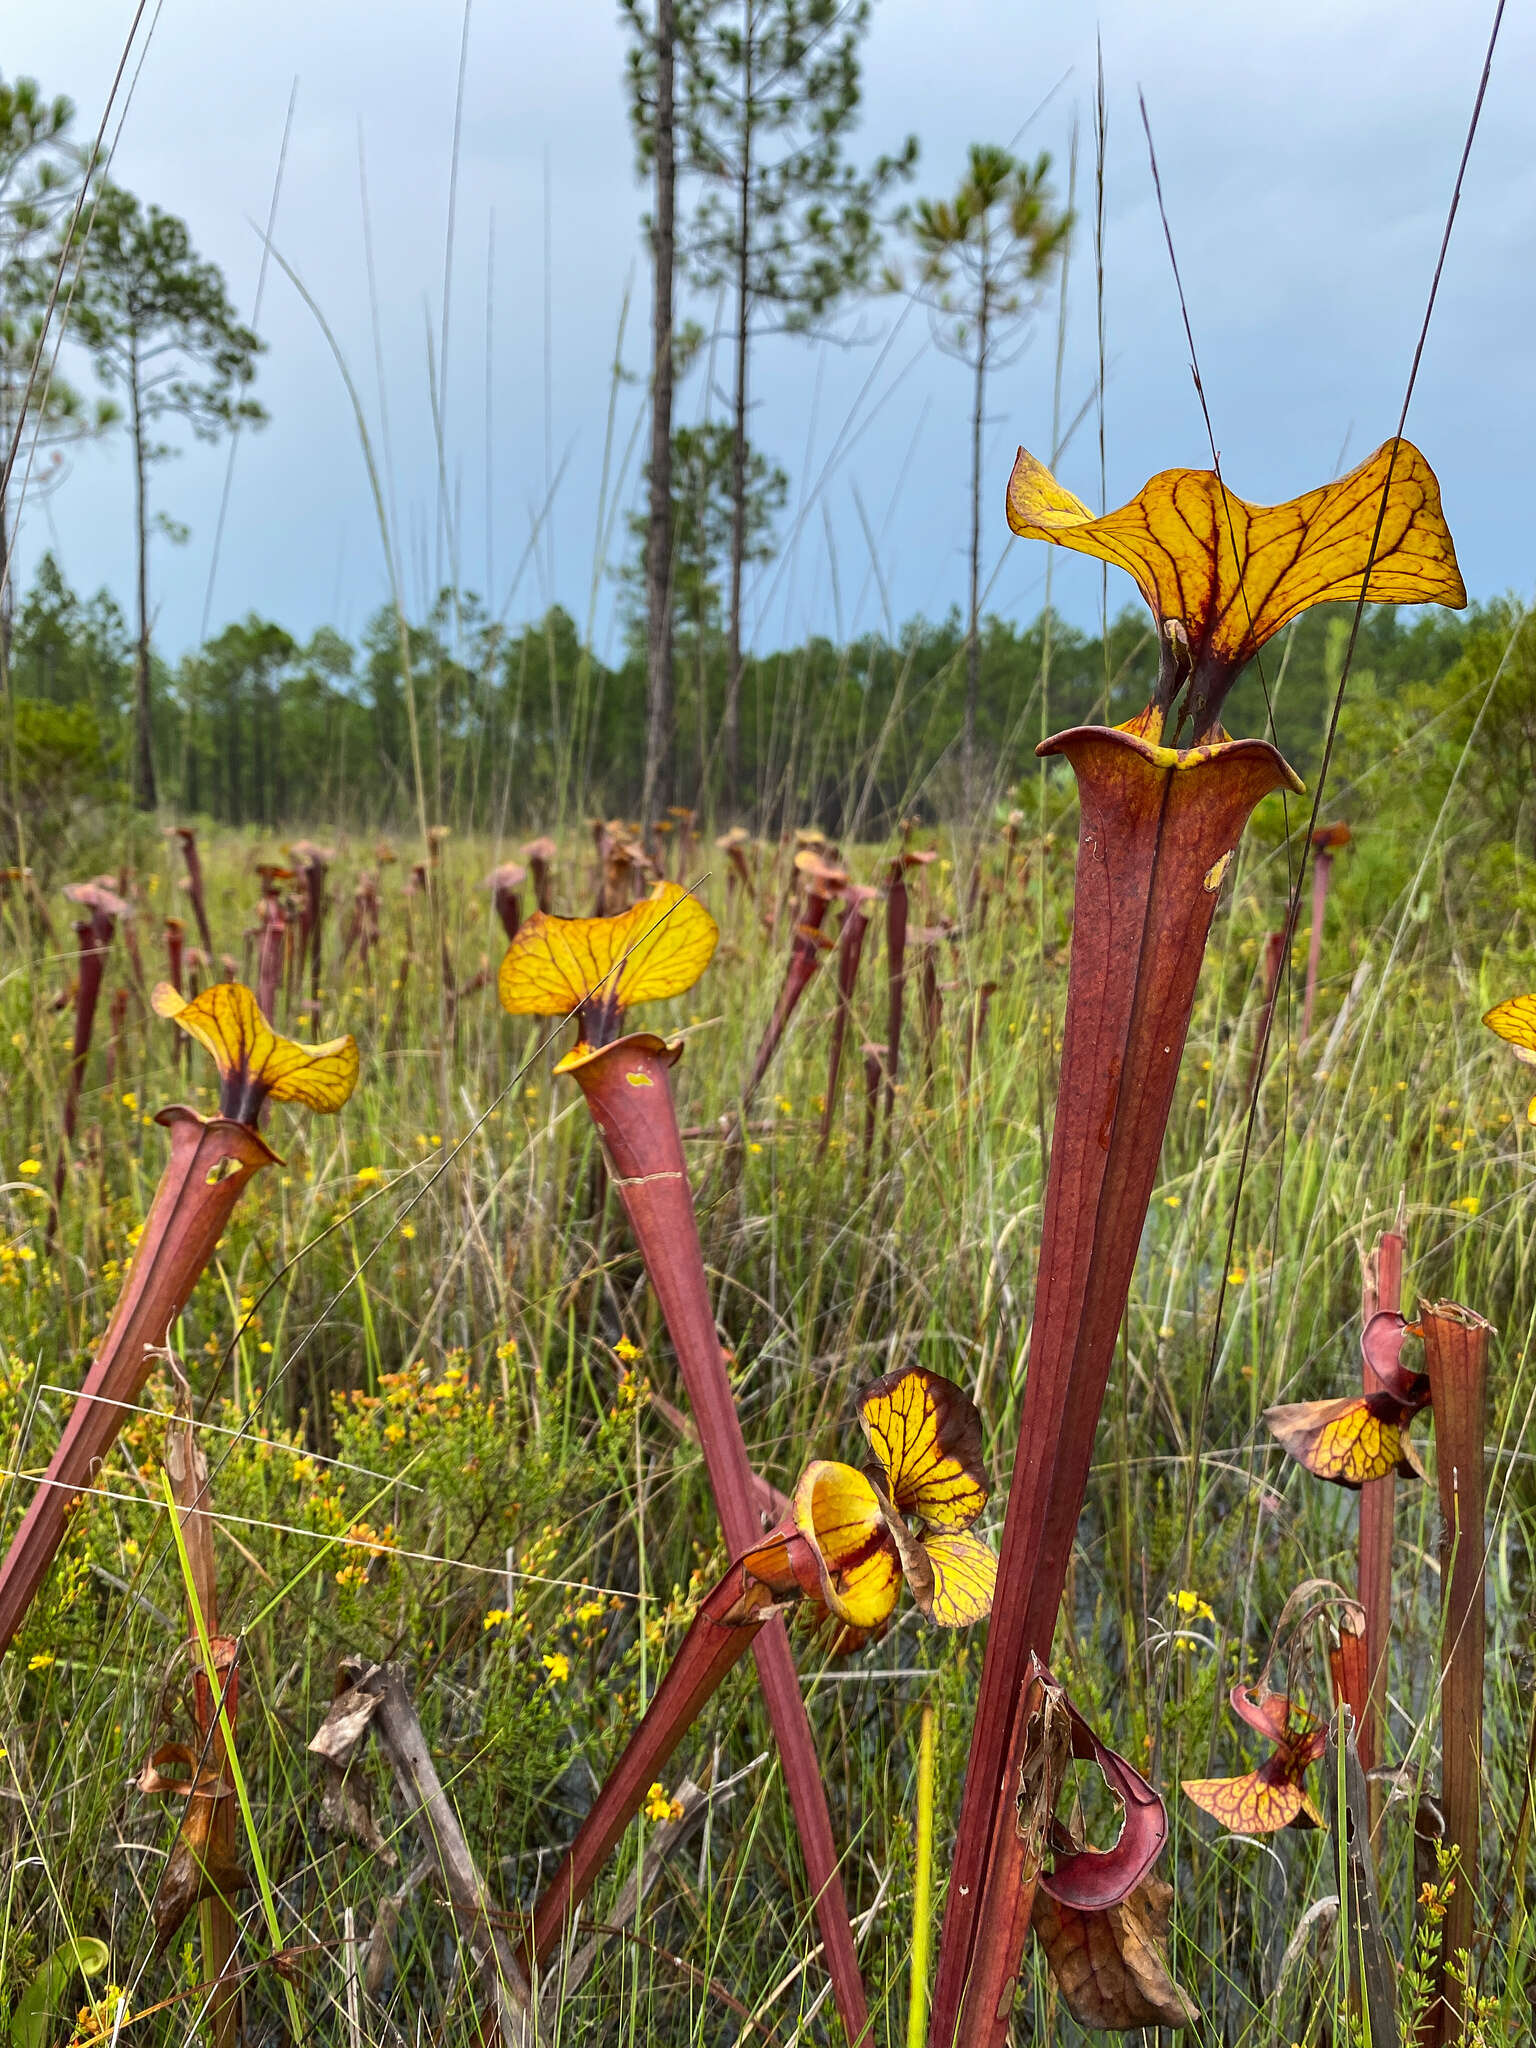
{"x": 187, "y": 839}
{"x": 726, "y": 1626}
{"x": 116, "y": 1033}
{"x": 805, "y": 952}
{"x": 874, "y": 1067}
{"x": 210, "y": 1162}
{"x": 1325, "y": 842}
{"x": 91, "y": 962}
{"x": 1157, "y": 828}
{"x": 895, "y": 972}
{"x": 540, "y": 856}
{"x": 506, "y": 884}
{"x": 269, "y": 961}
{"x": 980, "y": 1008}
{"x": 629, "y": 1094}
{"x": 933, "y": 1001}
{"x": 1456, "y": 1359}
{"x": 93, "y": 935}
{"x": 850, "y": 950}
{"x": 1274, "y": 955}
{"x": 175, "y": 951}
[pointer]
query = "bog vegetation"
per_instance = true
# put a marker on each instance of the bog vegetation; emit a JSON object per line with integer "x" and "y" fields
{"x": 886, "y": 1401}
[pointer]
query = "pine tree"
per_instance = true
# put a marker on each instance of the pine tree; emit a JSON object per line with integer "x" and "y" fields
{"x": 785, "y": 225}
{"x": 652, "y": 78}
{"x": 40, "y": 412}
{"x": 160, "y": 326}
{"x": 985, "y": 257}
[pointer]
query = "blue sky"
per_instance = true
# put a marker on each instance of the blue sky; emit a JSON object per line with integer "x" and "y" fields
{"x": 1307, "y": 155}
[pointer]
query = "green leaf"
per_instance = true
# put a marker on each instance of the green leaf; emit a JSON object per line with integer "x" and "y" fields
{"x": 40, "y": 2005}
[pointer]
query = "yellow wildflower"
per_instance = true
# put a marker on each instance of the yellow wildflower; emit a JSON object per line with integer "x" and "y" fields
{"x": 1192, "y": 1606}
{"x": 30, "y": 1166}
{"x": 41, "y": 1661}
{"x": 659, "y": 1807}
{"x": 1470, "y": 1203}
{"x": 366, "y": 1175}
{"x": 627, "y": 1351}
{"x": 496, "y": 1616}
{"x": 558, "y": 1665}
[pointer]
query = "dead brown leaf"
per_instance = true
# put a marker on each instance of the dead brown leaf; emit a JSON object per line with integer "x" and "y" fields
{"x": 1112, "y": 1966}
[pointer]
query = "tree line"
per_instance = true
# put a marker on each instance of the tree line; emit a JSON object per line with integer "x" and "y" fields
{"x": 528, "y": 728}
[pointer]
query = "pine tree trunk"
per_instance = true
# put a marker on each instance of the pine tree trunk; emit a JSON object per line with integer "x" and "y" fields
{"x": 657, "y": 789}
{"x": 143, "y": 739}
{"x": 973, "y": 631}
{"x": 739, "y": 440}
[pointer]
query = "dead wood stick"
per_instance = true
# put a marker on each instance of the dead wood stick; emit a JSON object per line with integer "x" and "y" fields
{"x": 437, "y": 1825}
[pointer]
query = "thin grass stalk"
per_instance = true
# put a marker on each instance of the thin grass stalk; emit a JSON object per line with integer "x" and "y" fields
{"x": 628, "y": 1091}
{"x": 1383, "y": 1290}
{"x": 220, "y": 1686}
{"x": 922, "y": 1882}
{"x": 1456, "y": 1359}
{"x": 209, "y": 1165}
{"x": 187, "y": 1470}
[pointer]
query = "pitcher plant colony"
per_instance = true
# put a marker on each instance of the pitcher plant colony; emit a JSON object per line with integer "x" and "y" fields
{"x": 968, "y": 1491}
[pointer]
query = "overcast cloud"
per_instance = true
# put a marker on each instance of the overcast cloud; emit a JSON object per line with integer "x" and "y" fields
{"x": 1307, "y": 153}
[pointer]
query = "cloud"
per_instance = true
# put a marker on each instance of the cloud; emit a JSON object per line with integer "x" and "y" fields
{"x": 1307, "y": 155}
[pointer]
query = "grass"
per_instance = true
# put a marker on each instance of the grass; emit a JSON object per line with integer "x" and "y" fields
{"x": 436, "y": 1452}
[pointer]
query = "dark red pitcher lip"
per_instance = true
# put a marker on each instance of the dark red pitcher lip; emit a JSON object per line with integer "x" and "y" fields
{"x": 1224, "y": 749}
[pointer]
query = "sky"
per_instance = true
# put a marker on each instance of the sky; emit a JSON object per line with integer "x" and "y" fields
{"x": 1307, "y": 153}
